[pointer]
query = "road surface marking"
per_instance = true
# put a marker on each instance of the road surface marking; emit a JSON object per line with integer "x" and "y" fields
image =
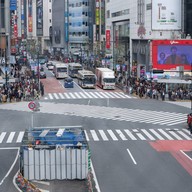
{"x": 71, "y": 94}
{"x": 89, "y": 96}
{"x": 83, "y": 95}
{"x": 175, "y": 135}
{"x": 112, "y": 135}
{"x": 78, "y": 96}
{"x": 148, "y": 134}
{"x": 97, "y": 93}
{"x": 2, "y": 136}
{"x": 130, "y": 134}
{"x": 131, "y": 157}
{"x": 184, "y": 135}
{"x": 121, "y": 135}
{"x": 50, "y": 96}
{"x": 157, "y": 134}
{"x": 93, "y": 95}
{"x": 66, "y": 95}
{"x": 20, "y": 137}
{"x": 11, "y": 136}
{"x": 165, "y": 134}
{"x": 86, "y": 135}
{"x": 61, "y": 95}
{"x": 103, "y": 135}
{"x": 94, "y": 135}
{"x": 55, "y": 95}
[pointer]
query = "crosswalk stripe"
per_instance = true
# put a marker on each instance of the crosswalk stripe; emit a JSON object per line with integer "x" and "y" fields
{"x": 103, "y": 135}
{"x": 122, "y": 96}
{"x": 61, "y": 95}
{"x": 71, "y": 94}
{"x": 175, "y": 135}
{"x": 103, "y": 94}
{"x": 86, "y": 135}
{"x": 121, "y": 135}
{"x": 110, "y": 96}
{"x": 11, "y": 136}
{"x": 125, "y": 95}
{"x": 97, "y": 93}
{"x": 148, "y": 134}
{"x": 112, "y": 135}
{"x": 165, "y": 134}
{"x": 20, "y": 137}
{"x": 94, "y": 135}
{"x": 184, "y": 135}
{"x": 83, "y": 95}
{"x": 130, "y": 134}
{"x": 78, "y": 95}
{"x": 87, "y": 94}
{"x": 116, "y": 96}
{"x": 66, "y": 95}
{"x": 50, "y": 95}
{"x": 117, "y": 134}
{"x": 55, "y": 95}
{"x": 157, "y": 134}
{"x": 2, "y": 136}
{"x": 93, "y": 95}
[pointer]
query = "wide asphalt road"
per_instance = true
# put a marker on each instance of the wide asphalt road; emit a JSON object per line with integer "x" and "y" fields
{"x": 141, "y": 162}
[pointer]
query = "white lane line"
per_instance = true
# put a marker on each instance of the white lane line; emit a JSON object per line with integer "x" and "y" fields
{"x": 140, "y": 136}
{"x": 61, "y": 95}
{"x": 125, "y": 95}
{"x": 148, "y": 134}
{"x": 2, "y": 136}
{"x": 131, "y": 157}
{"x": 103, "y": 94}
{"x": 50, "y": 96}
{"x": 121, "y": 135}
{"x": 130, "y": 134}
{"x": 114, "y": 96}
{"x": 20, "y": 137}
{"x": 11, "y": 167}
{"x": 10, "y": 138}
{"x": 66, "y": 95}
{"x": 55, "y": 95}
{"x": 112, "y": 135}
{"x": 108, "y": 94}
{"x": 122, "y": 96}
{"x": 165, "y": 134}
{"x": 157, "y": 134}
{"x": 94, "y": 135}
{"x": 103, "y": 135}
{"x": 184, "y": 135}
{"x": 86, "y": 135}
{"x": 186, "y": 155}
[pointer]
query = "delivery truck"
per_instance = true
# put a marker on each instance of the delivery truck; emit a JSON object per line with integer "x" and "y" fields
{"x": 105, "y": 78}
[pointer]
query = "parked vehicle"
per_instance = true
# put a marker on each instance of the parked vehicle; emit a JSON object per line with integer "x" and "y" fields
{"x": 105, "y": 78}
{"x": 50, "y": 66}
{"x": 42, "y": 75}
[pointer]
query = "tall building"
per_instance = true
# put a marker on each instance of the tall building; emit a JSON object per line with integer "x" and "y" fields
{"x": 72, "y": 26}
{"x": 188, "y": 17}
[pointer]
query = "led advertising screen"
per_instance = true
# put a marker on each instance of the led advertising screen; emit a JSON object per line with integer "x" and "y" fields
{"x": 168, "y": 54}
{"x": 166, "y": 14}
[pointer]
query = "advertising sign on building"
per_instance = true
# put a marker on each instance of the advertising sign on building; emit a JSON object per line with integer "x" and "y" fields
{"x": 108, "y": 39}
{"x": 170, "y": 54}
{"x": 39, "y": 17}
{"x": 97, "y": 19}
{"x": 166, "y": 14}
{"x": 30, "y": 20}
{"x": 13, "y": 5}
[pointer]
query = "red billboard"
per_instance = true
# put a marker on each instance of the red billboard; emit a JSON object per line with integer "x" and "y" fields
{"x": 108, "y": 39}
{"x": 169, "y": 54}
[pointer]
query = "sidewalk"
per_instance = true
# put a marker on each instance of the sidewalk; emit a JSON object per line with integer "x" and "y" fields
{"x": 186, "y": 104}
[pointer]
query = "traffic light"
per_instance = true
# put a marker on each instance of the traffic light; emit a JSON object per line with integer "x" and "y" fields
{"x": 158, "y": 71}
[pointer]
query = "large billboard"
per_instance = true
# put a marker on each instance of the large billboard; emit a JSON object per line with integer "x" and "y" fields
{"x": 30, "y": 20}
{"x": 169, "y": 54}
{"x": 39, "y": 17}
{"x": 166, "y": 14}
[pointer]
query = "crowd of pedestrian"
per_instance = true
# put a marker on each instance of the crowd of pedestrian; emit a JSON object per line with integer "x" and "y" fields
{"x": 25, "y": 87}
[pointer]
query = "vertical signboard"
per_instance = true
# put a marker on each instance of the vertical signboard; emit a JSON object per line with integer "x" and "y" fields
{"x": 22, "y": 20}
{"x": 13, "y": 5}
{"x": 97, "y": 19}
{"x": 166, "y": 15}
{"x": 39, "y": 17}
{"x": 108, "y": 39}
{"x": 30, "y": 20}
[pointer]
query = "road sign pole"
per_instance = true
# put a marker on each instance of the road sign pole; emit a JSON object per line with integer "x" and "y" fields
{"x": 32, "y": 119}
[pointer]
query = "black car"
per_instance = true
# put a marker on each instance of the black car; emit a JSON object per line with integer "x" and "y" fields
{"x": 42, "y": 75}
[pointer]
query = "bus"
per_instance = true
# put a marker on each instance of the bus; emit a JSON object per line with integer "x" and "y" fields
{"x": 60, "y": 70}
{"x": 74, "y": 68}
{"x": 86, "y": 79}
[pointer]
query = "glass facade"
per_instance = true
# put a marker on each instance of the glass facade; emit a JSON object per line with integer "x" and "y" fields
{"x": 188, "y": 17}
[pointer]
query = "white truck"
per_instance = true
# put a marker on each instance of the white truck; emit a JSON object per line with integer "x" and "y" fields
{"x": 105, "y": 78}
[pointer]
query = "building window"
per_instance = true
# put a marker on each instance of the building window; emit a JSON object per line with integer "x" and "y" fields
{"x": 49, "y": 20}
{"x": 108, "y": 13}
{"x": 49, "y": 10}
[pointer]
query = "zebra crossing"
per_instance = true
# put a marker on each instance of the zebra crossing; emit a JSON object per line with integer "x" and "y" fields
{"x": 88, "y": 95}
{"x": 114, "y": 135}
